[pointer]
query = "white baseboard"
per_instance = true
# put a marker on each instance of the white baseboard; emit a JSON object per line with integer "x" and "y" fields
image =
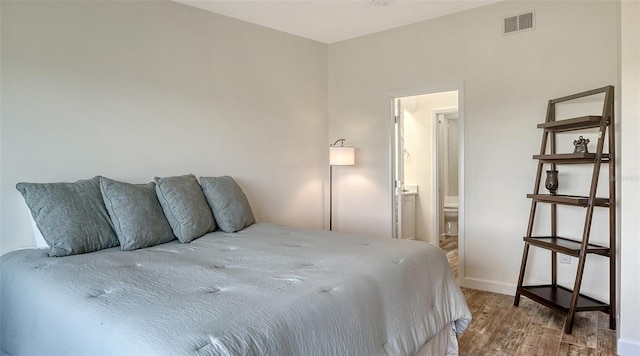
{"x": 489, "y": 286}
{"x": 628, "y": 347}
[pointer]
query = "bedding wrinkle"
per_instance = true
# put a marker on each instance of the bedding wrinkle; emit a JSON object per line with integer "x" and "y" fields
{"x": 265, "y": 290}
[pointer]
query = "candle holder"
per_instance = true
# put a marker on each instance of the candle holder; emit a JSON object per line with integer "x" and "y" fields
{"x": 551, "y": 183}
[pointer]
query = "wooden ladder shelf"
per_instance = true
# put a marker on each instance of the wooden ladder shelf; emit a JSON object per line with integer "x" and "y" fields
{"x": 558, "y": 298}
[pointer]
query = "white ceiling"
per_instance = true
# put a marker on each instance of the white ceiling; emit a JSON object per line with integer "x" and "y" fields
{"x": 332, "y": 21}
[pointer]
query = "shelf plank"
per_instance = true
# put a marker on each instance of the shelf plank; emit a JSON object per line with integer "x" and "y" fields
{"x": 582, "y": 94}
{"x": 565, "y": 245}
{"x": 568, "y": 199}
{"x": 558, "y": 298}
{"x": 570, "y": 158}
{"x": 584, "y": 122}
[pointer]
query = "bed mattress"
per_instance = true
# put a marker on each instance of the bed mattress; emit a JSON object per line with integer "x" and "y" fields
{"x": 266, "y": 290}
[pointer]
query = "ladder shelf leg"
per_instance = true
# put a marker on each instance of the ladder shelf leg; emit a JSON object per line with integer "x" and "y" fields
{"x": 523, "y": 265}
{"x": 568, "y": 325}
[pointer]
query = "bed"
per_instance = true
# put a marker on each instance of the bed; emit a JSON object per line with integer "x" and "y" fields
{"x": 264, "y": 290}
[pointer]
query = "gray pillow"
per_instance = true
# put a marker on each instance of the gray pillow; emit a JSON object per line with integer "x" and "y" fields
{"x": 185, "y": 206}
{"x": 226, "y": 199}
{"x": 71, "y": 216}
{"x": 136, "y": 214}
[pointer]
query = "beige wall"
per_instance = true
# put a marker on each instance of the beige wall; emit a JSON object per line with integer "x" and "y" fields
{"x": 132, "y": 90}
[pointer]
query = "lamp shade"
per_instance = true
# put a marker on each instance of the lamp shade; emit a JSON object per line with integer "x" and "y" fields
{"x": 342, "y": 155}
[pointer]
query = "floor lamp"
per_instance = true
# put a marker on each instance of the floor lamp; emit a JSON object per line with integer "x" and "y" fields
{"x": 339, "y": 155}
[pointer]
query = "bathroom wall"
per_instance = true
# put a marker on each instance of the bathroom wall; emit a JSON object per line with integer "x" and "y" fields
{"x": 420, "y": 156}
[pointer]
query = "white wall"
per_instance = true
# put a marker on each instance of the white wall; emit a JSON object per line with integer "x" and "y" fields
{"x": 131, "y": 90}
{"x": 507, "y": 83}
{"x": 419, "y": 142}
{"x": 629, "y": 249}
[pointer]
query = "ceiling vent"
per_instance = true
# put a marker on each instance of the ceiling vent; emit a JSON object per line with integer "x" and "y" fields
{"x": 380, "y": 2}
{"x": 518, "y": 23}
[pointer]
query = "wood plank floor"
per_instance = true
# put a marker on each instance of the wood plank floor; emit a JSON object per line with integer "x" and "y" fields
{"x": 499, "y": 328}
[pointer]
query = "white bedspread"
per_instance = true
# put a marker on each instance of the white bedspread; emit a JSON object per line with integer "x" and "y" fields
{"x": 268, "y": 289}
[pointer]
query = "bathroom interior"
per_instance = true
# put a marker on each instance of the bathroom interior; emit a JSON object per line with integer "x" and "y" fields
{"x": 430, "y": 161}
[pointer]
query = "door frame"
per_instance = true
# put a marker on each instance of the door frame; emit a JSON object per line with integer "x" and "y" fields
{"x": 397, "y": 141}
{"x": 391, "y": 97}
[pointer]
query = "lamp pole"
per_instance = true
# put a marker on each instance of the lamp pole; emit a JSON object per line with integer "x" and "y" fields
{"x": 338, "y": 156}
{"x": 330, "y": 197}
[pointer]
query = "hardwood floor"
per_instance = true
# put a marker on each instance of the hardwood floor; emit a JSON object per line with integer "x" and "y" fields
{"x": 499, "y": 328}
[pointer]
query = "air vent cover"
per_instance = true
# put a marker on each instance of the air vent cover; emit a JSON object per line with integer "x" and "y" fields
{"x": 518, "y": 23}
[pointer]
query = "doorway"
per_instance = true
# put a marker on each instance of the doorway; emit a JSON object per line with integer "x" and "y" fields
{"x": 447, "y": 146}
{"x": 427, "y": 168}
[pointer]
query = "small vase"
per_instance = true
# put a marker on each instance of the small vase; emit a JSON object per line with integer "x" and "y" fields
{"x": 551, "y": 183}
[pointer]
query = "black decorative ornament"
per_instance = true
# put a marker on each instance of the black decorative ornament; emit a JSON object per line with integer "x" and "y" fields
{"x": 581, "y": 145}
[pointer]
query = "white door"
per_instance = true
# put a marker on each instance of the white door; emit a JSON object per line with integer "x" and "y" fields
{"x": 398, "y": 168}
